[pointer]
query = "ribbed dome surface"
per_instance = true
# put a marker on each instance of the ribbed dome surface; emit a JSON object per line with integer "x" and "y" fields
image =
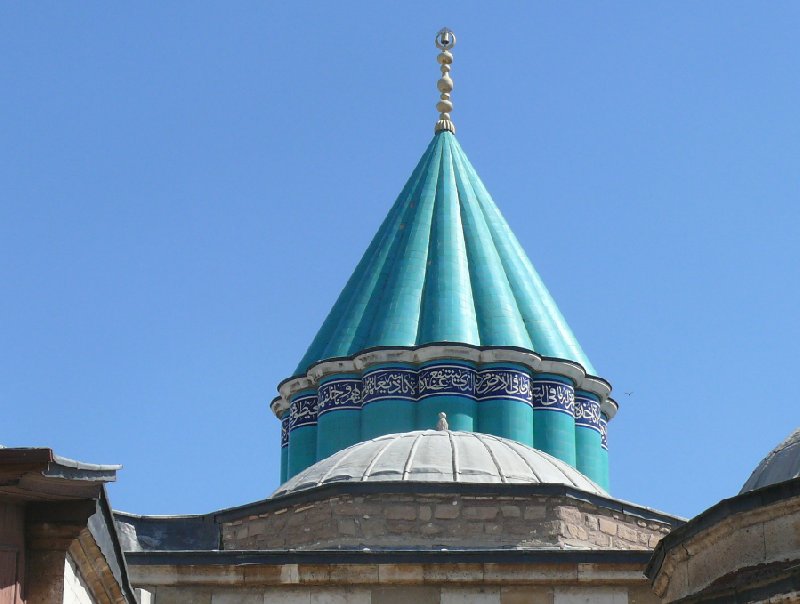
{"x": 782, "y": 463}
{"x": 444, "y": 267}
{"x": 440, "y": 456}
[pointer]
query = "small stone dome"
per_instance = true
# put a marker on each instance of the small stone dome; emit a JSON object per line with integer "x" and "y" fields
{"x": 782, "y": 463}
{"x": 440, "y": 456}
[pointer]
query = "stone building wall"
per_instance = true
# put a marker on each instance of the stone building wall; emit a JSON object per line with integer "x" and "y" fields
{"x": 447, "y": 520}
{"x": 738, "y": 550}
{"x": 407, "y": 594}
{"x": 490, "y": 582}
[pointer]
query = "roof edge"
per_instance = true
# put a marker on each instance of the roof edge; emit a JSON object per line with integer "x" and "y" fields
{"x": 404, "y": 487}
{"x": 743, "y": 502}
{"x": 44, "y": 459}
{"x": 345, "y": 556}
{"x": 446, "y": 350}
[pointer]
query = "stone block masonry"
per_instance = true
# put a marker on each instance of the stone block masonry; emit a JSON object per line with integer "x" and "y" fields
{"x": 612, "y": 582}
{"x": 413, "y": 520}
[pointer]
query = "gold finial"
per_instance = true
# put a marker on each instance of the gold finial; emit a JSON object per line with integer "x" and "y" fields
{"x": 445, "y": 40}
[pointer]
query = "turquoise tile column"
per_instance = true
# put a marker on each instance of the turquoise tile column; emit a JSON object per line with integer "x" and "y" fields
{"x": 449, "y": 387}
{"x": 302, "y": 432}
{"x": 284, "y": 446}
{"x": 548, "y": 330}
{"x": 505, "y": 404}
{"x": 553, "y": 415}
{"x": 346, "y": 329}
{"x": 447, "y": 312}
{"x": 499, "y": 320}
{"x": 588, "y": 440}
{"x": 389, "y": 395}
{"x": 606, "y": 481}
{"x": 401, "y": 294}
{"x": 339, "y": 416}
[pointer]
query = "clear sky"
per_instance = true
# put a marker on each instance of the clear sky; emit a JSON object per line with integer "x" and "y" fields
{"x": 185, "y": 188}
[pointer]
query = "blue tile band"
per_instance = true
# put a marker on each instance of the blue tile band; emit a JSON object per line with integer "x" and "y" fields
{"x": 285, "y": 432}
{"x": 340, "y": 394}
{"x": 504, "y": 384}
{"x": 408, "y": 384}
{"x": 552, "y": 395}
{"x": 303, "y": 412}
{"x": 389, "y": 384}
{"x": 587, "y": 412}
{"x": 496, "y": 398}
{"x": 446, "y": 379}
{"x": 603, "y": 432}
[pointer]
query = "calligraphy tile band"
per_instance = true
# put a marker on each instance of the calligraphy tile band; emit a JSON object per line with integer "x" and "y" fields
{"x": 446, "y": 379}
{"x": 587, "y": 413}
{"x": 285, "y": 432}
{"x": 340, "y": 394}
{"x": 504, "y": 384}
{"x": 303, "y": 412}
{"x": 384, "y": 384}
{"x": 552, "y": 395}
{"x": 604, "y": 432}
{"x": 400, "y": 383}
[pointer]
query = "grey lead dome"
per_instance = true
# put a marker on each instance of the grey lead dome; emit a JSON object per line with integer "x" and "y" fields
{"x": 782, "y": 463}
{"x": 440, "y": 456}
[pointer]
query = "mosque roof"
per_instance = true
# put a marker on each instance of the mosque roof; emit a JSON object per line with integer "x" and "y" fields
{"x": 444, "y": 267}
{"x": 782, "y": 463}
{"x": 440, "y": 456}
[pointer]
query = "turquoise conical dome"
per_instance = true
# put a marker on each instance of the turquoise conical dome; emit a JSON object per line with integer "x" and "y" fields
{"x": 435, "y": 328}
{"x": 444, "y": 267}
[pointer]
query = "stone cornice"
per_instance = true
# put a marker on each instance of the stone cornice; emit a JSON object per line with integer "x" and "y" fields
{"x": 342, "y": 567}
{"x": 476, "y": 489}
{"x": 728, "y": 519}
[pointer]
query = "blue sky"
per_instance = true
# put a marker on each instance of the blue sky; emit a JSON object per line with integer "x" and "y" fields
{"x": 185, "y": 188}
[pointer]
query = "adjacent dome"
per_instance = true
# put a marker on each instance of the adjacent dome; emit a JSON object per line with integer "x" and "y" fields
{"x": 440, "y": 456}
{"x": 444, "y": 267}
{"x": 782, "y": 463}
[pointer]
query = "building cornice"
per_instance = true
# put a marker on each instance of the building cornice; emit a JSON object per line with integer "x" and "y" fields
{"x": 417, "y": 355}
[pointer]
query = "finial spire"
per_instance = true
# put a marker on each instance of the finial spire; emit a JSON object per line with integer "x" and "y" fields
{"x": 445, "y": 40}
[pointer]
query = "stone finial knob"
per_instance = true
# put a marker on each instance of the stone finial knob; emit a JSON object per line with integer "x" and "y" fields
{"x": 445, "y": 40}
{"x": 442, "y": 423}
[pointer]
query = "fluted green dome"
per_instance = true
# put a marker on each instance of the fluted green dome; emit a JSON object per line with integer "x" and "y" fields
{"x": 444, "y": 267}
